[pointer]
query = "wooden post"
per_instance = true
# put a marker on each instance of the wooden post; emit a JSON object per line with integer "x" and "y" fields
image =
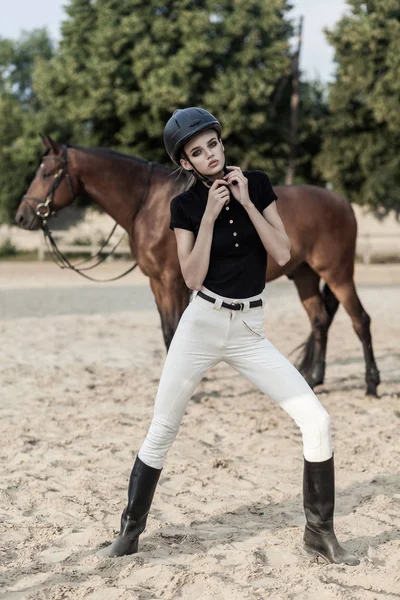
{"x": 41, "y": 246}
{"x": 294, "y": 105}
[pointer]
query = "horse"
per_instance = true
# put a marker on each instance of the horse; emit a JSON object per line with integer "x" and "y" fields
{"x": 136, "y": 193}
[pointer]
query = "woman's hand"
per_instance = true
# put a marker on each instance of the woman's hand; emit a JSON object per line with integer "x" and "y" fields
{"x": 218, "y": 196}
{"x": 240, "y": 191}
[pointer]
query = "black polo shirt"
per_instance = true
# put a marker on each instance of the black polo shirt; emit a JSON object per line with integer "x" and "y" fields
{"x": 238, "y": 259}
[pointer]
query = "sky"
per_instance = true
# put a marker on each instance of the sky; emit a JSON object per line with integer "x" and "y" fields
{"x": 316, "y": 57}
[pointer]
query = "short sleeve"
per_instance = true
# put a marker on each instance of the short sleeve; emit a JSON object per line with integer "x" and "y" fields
{"x": 266, "y": 194}
{"x": 178, "y": 217}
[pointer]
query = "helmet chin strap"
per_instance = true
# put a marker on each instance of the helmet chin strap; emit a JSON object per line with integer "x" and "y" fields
{"x": 201, "y": 177}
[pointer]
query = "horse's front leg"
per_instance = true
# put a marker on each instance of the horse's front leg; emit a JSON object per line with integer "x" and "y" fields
{"x": 172, "y": 297}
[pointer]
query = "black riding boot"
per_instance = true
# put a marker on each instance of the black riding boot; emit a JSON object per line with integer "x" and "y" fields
{"x": 319, "y": 502}
{"x": 142, "y": 485}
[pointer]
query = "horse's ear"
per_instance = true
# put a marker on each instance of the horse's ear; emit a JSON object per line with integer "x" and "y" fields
{"x": 45, "y": 140}
{"x": 49, "y": 143}
{"x": 53, "y": 145}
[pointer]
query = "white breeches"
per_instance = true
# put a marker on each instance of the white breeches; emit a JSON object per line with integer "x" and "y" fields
{"x": 207, "y": 335}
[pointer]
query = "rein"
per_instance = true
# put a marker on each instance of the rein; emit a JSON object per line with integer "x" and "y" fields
{"x": 44, "y": 210}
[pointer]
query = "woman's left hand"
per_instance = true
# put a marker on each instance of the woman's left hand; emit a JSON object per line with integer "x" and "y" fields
{"x": 240, "y": 191}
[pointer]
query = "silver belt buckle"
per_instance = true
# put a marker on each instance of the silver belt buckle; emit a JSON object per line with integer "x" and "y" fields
{"x": 241, "y": 304}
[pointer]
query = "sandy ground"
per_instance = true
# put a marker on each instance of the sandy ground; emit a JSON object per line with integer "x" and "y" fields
{"x": 226, "y": 524}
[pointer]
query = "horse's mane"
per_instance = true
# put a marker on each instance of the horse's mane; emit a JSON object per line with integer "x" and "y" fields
{"x": 116, "y": 154}
{"x": 180, "y": 174}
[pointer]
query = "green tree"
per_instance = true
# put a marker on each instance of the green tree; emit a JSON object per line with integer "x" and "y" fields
{"x": 17, "y": 59}
{"x": 123, "y": 66}
{"x": 313, "y": 115}
{"x": 22, "y": 116}
{"x": 361, "y": 149}
{"x": 146, "y": 59}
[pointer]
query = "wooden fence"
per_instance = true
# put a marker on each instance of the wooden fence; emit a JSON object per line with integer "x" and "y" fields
{"x": 368, "y": 246}
{"x": 92, "y": 248}
{"x": 374, "y": 245}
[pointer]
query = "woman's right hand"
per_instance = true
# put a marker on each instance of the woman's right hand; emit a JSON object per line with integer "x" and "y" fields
{"x": 218, "y": 196}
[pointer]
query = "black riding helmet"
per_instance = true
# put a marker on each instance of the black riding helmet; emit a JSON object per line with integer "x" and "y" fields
{"x": 183, "y": 125}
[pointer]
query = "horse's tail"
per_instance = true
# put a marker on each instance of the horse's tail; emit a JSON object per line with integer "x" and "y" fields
{"x": 307, "y": 350}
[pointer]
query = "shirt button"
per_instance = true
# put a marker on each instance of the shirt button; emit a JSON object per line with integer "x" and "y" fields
{"x": 236, "y": 245}
{"x": 226, "y": 207}
{"x": 231, "y": 221}
{"x": 234, "y": 233}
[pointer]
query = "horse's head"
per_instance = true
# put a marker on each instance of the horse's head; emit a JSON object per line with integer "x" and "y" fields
{"x": 51, "y": 189}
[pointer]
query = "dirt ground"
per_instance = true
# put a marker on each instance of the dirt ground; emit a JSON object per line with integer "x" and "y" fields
{"x": 77, "y": 393}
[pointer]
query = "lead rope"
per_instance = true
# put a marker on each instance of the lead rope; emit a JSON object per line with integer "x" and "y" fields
{"x": 99, "y": 251}
{"x": 62, "y": 261}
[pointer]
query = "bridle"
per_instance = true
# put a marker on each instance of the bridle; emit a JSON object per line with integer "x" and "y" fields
{"x": 45, "y": 209}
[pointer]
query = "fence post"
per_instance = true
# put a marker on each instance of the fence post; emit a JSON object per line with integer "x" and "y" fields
{"x": 41, "y": 247}
{"x": 368, "y": 249}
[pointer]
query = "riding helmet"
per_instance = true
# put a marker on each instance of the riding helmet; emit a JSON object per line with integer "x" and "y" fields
{"x": 184, "y": 124}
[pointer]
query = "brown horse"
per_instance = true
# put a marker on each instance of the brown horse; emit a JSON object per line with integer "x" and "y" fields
{"x": 320, "y": 224}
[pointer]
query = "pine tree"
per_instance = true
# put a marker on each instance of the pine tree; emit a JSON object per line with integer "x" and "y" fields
{"x": 361, "y": 150}
{"x": 147, "y": 58}
{"x": 63, "y": 83}
{"x": 313, "y": 115}
{"x": 123, "y": 66}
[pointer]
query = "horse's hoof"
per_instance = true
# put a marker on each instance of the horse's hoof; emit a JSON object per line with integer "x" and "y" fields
{"x": 372, "y": 391}
{"x": 310, "y": 382}
{"x": 316, "y": 376}
{"x": 314, "y": 379}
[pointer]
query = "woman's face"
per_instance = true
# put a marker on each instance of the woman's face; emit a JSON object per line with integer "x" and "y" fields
{"x": 206, "y": 153}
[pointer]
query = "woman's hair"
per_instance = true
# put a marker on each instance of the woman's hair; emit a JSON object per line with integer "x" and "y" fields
{"x": 180, "y": 172}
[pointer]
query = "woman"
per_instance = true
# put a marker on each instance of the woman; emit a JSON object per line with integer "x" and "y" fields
{"x": 225, "y": 225}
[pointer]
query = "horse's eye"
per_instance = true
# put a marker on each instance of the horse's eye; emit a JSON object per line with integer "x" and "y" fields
{"x": 46, "y": 175}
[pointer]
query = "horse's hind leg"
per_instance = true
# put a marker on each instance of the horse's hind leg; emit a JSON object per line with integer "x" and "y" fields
{"x": 321, "y": 308}
{"x": 346, "y": 293}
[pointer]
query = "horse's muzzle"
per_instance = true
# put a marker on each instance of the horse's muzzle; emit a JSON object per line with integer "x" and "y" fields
{"x": 27, "y": 219}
